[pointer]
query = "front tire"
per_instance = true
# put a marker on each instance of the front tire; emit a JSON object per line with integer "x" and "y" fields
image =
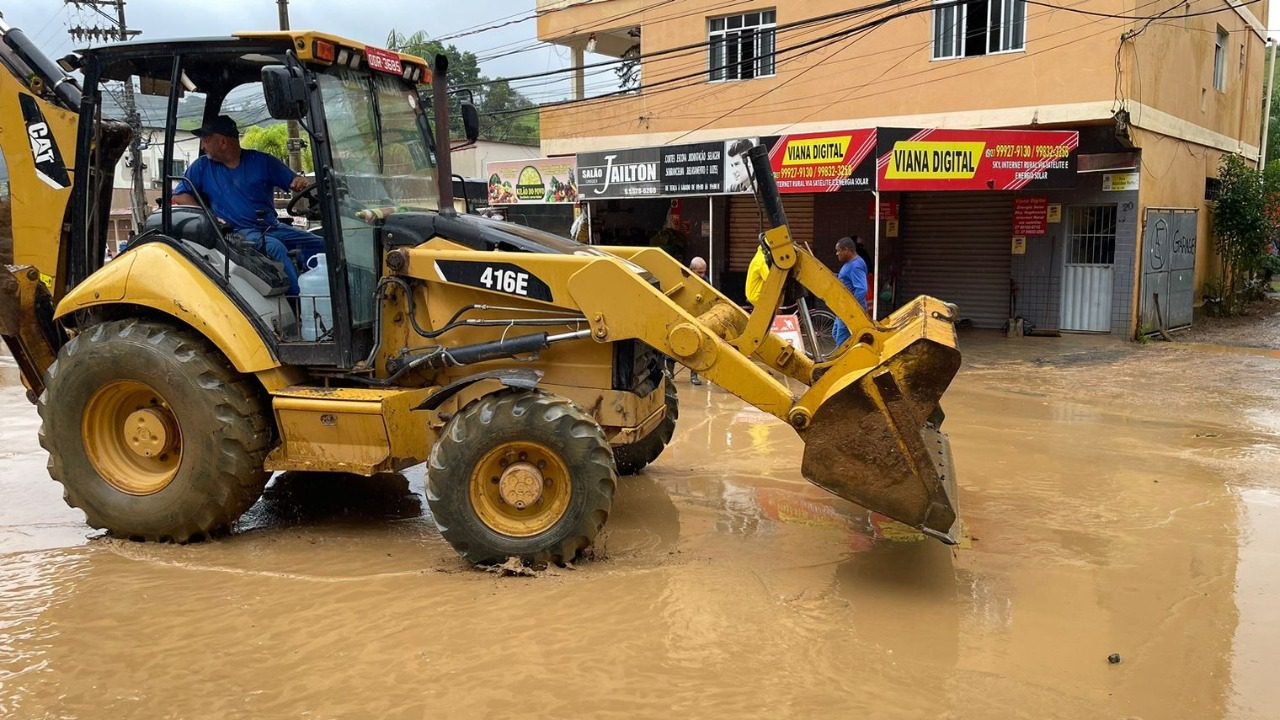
{"x": 152, "y": 433}
{"x": 633, "y": 457}
{"x": 523, "y": 474}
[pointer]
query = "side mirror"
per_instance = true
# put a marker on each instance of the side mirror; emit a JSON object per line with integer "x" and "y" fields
{"x": 285, "y": 93}
{"x": 470, "y": 121}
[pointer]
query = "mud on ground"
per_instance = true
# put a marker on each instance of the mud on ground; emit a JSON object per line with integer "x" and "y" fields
{"x": 1117, "y": 499}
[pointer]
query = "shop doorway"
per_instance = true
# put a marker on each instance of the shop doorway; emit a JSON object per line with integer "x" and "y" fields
{"x": 955, "y": 247}
{"x": 1168, "y": 268}
{"x": 1088, "y": 268}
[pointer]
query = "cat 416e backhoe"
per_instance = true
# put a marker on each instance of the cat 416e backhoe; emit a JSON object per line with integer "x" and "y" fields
{"x": 524, "y": 368}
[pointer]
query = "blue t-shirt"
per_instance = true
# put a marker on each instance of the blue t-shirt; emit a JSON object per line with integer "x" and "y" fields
{"x": 854, "y": 276}
{"x": 237, "y": 195}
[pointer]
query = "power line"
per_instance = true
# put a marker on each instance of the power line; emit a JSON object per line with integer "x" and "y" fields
{"x": 781, "y": 28}
{"x": 118, "y": 29}
{"x": 835, "y": 36}
{"x": 827, "y": 101}
{"x": 475, "y": 29}
{"x": 693, "y": 52}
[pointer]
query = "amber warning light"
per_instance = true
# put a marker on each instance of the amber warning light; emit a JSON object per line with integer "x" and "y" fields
{"x": 325, "y": 51}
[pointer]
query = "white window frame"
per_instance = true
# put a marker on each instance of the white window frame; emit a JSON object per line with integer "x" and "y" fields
{"x": 764, "y": 42}
{"x": 1220, "y": 44}
{"x": 1009, "y": 38}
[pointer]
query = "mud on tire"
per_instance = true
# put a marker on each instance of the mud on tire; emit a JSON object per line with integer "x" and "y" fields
{"x": 463, "y": 477}
{"x": 633, "y": 457}
{"x": 219, "y": 417}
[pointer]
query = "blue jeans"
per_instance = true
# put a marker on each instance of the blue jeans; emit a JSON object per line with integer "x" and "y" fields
{"x": 277, "y": 240}
{"x": 840, "y": 332}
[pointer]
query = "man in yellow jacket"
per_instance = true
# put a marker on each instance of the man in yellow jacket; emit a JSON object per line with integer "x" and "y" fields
{"x": 757, "y": 271}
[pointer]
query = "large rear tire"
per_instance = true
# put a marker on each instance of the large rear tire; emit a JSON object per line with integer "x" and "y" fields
{"x": 522, "y": 474}
{"x": 152, "y": 433}
{"x": 633, "y": 457}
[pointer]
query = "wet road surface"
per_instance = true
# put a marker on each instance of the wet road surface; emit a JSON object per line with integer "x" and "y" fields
{"x": 1116, "y": 498}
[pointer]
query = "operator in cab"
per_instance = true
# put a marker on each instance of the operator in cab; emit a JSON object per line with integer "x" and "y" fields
{"x": 238, "y": 185}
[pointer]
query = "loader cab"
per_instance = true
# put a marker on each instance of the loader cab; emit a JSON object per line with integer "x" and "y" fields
{"x": 363, "y": 130}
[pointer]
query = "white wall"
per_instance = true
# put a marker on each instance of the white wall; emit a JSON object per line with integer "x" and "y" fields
{"x": 469, "y": 163}
{"x": 186, "y": 148}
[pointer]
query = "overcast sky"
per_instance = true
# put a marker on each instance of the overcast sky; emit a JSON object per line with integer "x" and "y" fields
{"x": 369, "y": 21}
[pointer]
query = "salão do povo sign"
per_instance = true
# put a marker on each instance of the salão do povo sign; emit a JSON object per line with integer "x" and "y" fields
{"x": 620, "y": 174}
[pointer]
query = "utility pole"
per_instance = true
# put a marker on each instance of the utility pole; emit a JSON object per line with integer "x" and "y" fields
{"x": 1266, "y": 103}
{"x": 120, "y": 31}
{"x": 295, "y": 142}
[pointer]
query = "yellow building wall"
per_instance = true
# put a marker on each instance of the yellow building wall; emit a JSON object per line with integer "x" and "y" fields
{"x": 887, "y": 74}
{"x": 1173, "y": 176}
{"x": 1075, "y": 69}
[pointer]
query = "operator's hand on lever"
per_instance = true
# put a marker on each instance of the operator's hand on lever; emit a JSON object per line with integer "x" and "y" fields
{"x": 184, "y": 199}
{"x": 299, "y": 184}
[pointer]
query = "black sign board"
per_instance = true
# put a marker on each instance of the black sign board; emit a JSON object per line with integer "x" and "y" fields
{"x": 620, "y": 174}
{"x": 696, "y": 169}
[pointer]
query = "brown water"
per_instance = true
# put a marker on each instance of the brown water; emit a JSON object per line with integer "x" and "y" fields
{"x": 1117, "y": 499}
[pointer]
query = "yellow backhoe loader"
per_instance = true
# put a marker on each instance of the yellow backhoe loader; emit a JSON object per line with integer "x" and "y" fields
{"x": 524, "y": 368}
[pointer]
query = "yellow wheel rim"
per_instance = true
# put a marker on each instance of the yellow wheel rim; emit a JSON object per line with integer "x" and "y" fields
{"x": 520, "y": 489}
{"x": 132, "y": 437}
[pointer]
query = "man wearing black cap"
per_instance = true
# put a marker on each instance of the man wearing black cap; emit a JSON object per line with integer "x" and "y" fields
{"x": 238, "y": 185}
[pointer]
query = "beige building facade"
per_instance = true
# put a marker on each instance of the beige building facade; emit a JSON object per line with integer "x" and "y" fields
{"x": 1157, "y": 96}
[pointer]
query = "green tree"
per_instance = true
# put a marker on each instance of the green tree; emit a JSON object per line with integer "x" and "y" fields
{"x": 1241, "y": 227}
{"x": 273, "y": 140}
{"x": 498, "y": 103}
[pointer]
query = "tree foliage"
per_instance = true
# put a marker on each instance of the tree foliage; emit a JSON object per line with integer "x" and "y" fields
{"x": 1242, "y": 226}
{"x": 273, "y": 140}
{"x": 495, "y": 99}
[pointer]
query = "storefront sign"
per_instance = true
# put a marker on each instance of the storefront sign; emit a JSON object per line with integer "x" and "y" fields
{"x": 1054, "y": 213}
{"x": 937, "y": 159}
{"x": 888, "y": 210}
{"x": 693, "y": 169}
{"x": 788, "y": 328}
{"x": 891, "y": 228}
{"x": 1019, "y": 245}
{"x": 1119, "y": 182}
{"x": 1031, "y": 216}
{"x": 544, "y": 180}
{"x": 823, "y": 162}
{"x": 620, "y": 174}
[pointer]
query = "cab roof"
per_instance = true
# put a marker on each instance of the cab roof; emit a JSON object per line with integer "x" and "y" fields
{"x": 152, "y": 58}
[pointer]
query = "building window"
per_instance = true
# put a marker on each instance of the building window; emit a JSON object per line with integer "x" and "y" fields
{"x": 741, "y": 46}
{"x": 978, "y": 27}
{"x": 1220, "y": 60}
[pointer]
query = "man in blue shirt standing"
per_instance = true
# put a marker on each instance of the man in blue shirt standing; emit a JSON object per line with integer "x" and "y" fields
{"x": 238, "y": 185}
{"x": 853, "y": 273}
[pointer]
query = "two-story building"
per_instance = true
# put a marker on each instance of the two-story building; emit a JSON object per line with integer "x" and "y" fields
{"x": 1133, "y": 105}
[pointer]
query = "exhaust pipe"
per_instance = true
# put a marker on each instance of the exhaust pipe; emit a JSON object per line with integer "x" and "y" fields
{"x": 444, "y": 160}
{"x": 64, "y": 87}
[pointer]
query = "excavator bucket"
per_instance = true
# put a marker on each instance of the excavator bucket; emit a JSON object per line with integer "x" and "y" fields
{"x": 870, "y": 419}
{"x": 874, "y": 439}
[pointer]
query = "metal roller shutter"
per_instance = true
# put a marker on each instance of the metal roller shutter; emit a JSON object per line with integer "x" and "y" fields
{"x": 744, "y": 226}
{"x": 956, "y": 248}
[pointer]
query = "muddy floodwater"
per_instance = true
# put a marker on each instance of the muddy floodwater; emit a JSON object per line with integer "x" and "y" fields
{"x": 1117, "y": 499}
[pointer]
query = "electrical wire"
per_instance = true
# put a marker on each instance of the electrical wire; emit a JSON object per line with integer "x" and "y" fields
{"x": 879, "y": 21}
{"x": 827, "y": 102}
